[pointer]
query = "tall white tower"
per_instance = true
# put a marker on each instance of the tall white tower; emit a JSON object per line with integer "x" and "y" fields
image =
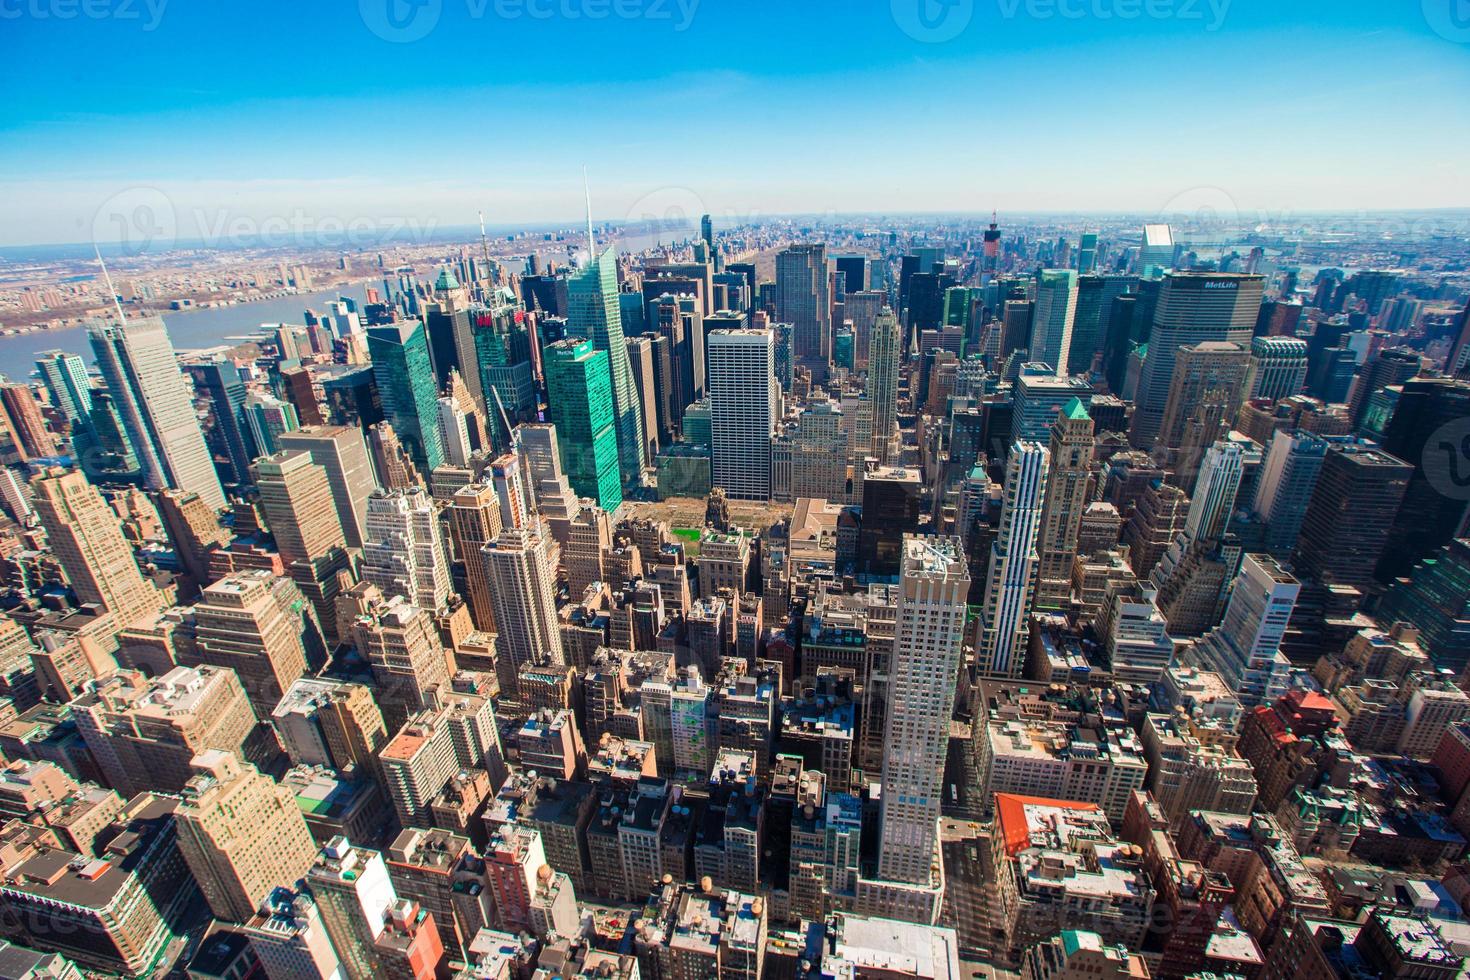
{"x": 1011, "y": 584}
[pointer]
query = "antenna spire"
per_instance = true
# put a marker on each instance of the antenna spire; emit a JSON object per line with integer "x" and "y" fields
{"x": 110, "y": 291}
{"x": 587, "y": 190}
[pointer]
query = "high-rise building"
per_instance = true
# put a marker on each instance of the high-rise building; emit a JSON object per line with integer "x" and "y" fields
{"x": 268, "y": 418}
{"x": 1069, "y": 476}
{"x": 594, "y": 313}
{"x": 254, "y": 624}
{"x": 354, "y": 893}
{"x": 341, "y": 451}
{"x": 1003, "y": 626}
{"x": 1204, "y": 398}
{"x": 1192, "y": 307}
{"x": 744, "y": 408}
{"x": 1056, "y": 311}
{"x": 474, "y": 521}
{"x": 1278, "y": 367}
{"x": 801, "y": 300}
{"x": 1213, "y": 501}
{"x": 406, "y": 384}
{"x": 1245, "y": 649}
{"x": 155, "y": 406}
{"x": 403, "y": 554}
{"x": 1284, "y": 487}
{"x": 241, "y": 833}
{"x": 400, "y": 642}
{"x": 66, "y": 378}
{"x": 143, "y": 733}
{"x": 933, "y": 585}
{"x": 296, "y": 497}
{"x": 1347, "y": 527}
{"x": 581, "y": 405}
{"x": 1436, "y": 507}
{"x": 1040, "y": 397}
{"x": 22, "y": 414}
{"x": 886, "y": 355}
{"x": 523, "y": 585}
{"x": 87, "y": 540}
{"x": 330, "y": 723}
{"x": 819, "y": 453}
{"x": 289, "y": 940}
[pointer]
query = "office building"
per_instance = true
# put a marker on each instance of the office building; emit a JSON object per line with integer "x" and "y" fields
{"x": 595, "y": 313}
{"x": 1278, "y": 368}
{"x": 802, "y": 301}
{"x": 87, "y": 540}
{"x": 1245, "y": 649}
{"x": 1348, "y": 525}
{"x": 523, "y": 587}
{"x": 580, "y": 403}
{"x": 744, "y": 408}
{"x": 1003, "y": 626}
{"x": 403, "y": 553}
{"x": 1040, "y": 396}
{"x": 933, "y": 585}
{"x": 1192, "y": 307}
{"x": 241, "y": 834}
{"x": 1051, "y": 325}
{"x": 406, "y": 384}
{"x": 1068, "y": 479}
{"x": 342, "y": 452}
{"x": 155, "y": 406}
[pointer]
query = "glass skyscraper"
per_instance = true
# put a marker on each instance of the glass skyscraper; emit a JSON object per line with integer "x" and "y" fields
{"x": 405, "y": 376}
{"x": 579, "y": 399}
{"x": 594, "y": 311}
{"x": 220, "y": 383}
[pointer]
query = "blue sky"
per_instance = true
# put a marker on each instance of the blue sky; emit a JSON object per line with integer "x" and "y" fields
{"x": 228, "y": 113}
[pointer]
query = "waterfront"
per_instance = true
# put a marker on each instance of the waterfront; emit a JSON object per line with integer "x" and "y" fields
{"x": 189, "y": 329}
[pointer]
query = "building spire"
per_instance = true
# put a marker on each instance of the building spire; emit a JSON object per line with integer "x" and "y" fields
{"x": 110, "y": 291}
{"x": 587, "y": 190}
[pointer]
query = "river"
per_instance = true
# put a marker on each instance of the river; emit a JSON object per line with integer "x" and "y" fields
{"x": 189, "y": 329}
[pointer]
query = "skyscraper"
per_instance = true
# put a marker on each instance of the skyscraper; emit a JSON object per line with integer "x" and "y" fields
{"x": 594, "y": 312}
{"x": 1204, "y": 398}
{"x": 523, "y": 586}
{"x": 87, "y": 539}
{"x": 220, "y": 384}
{"x": 1056, "y": 311}
{"x": 1284, "y": 487}
{"x": 241, "y": 833}
{"x": 1278, "y": 367}
{"x": 1070, "y": 473}
{"x": 403, "y": 554}
{"x": 744, "y": 408}
{"x": 269, "y": 418}
{"x": 66, "y": 378}
{"x": 405, "y": 376}
{"x": 933, "y": 585}
{"x": 297, "y": 500}
{"x": 1347, "y": 526}
{"x": 1213, "y": 500}
{"x": 1435, "y": 507}
{"x": 474, "y": 521}
{"x": 27, "y": 425}
{"x": 1192, "y": 307}
{"x": 885, "y": 356}
{"x": 801, "y": 300}
{"x": 579, "y": 398}
{"x": 155, "y": 406}
{"x": 1003, "y": 624}
{"x": 341, "y": 451}
{"x": 1245, "y": 649}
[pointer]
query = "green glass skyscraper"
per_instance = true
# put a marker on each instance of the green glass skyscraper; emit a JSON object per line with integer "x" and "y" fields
{"x": 405, "y": 377}
{"x": 594, "y": 312}
{"x": 579, "y": 399}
